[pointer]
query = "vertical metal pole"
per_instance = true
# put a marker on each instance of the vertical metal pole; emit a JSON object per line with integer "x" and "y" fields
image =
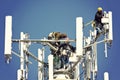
{"x": 50, "y": 60}
{"x": 22, "y": 55}
{"x": 88, "y": 59}
{"x": 27, "y": 66}
{"x": 19, "y": 74}
{"x": 94, "y": 61}
{"x": 105, "y": 45}
{"x": 78, "y": 71}
{"x": 26, "y": 46}
{"x": 21, "y": 71}
{"x": 40, "y": 65}
{"x": 94, "y": 58}
{"x": 84, "y": 63}
{"x": 43, "y": 51}
{"x": 95, "y": 54}
{"x": 88, "y": 67}
{"x": 21, "y": 52}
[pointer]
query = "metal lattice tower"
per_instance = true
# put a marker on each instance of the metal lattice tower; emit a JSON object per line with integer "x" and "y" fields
{"x": 82, "y": 64}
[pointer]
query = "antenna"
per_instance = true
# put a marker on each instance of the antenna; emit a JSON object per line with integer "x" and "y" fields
{"x": 106, "y": 76}
{"x": 8, "y": 38}
{"x": 79, "y": 36}
{"x": 107, "y": 21}
{"x": 110, "y": 36}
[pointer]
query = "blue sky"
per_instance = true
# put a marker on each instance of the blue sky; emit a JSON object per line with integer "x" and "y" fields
{"x": 39, "y": 18}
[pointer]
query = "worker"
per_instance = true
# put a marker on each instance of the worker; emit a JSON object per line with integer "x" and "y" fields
{"x": 98, "y": 16}
{"x": 65, "y": 51}
{"x": 56, "y": 36}
{"x": 97, "y": 21}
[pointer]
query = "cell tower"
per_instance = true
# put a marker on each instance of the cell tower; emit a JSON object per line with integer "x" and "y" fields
{"x": 82, "y": 64}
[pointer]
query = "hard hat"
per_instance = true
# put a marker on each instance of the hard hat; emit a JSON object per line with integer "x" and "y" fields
{"x": 100, "y": 9}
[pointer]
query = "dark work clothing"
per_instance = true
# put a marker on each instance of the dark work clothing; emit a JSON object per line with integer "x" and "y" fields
{"x": 98, "y": 23}
{"x": 98, "y": 17}
{"x": 66, "y": 46}
{"x": 65, "y": 57}
{"x": 64, "y": 60}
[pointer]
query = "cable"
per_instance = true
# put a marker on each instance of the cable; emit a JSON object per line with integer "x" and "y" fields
{"x": 20, "y": 56}
{"x": 88, "y": 23}
{"x": 35, "y": 58}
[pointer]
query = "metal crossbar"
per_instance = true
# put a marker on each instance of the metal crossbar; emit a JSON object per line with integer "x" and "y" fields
{"x": 41, "y": 40}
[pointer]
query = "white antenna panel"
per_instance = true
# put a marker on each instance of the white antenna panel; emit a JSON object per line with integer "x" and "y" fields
{"x": 110, "y": 26}
{"x": 106, "y": 76}
{"x": 79, "y": 36}
{"x": 8, "y": 37}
